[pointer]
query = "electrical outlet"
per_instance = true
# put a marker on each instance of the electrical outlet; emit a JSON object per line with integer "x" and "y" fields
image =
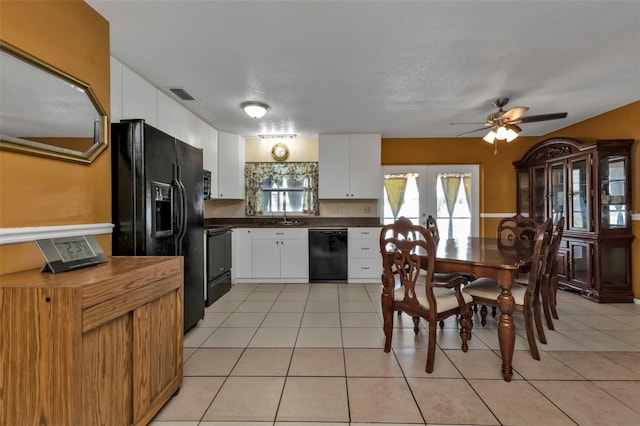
{"x": 339, "y": 208}
{"x": 367, "y": 209}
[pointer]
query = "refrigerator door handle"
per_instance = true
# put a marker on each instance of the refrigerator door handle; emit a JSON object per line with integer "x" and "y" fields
{"x": 178, "y": 206}
{"x": 182, "y": 231}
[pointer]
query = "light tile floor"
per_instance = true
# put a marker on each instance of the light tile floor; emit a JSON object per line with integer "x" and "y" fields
{"x": 290, "y": 354}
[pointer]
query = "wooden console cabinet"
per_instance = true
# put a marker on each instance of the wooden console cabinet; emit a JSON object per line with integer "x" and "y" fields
{"x": 95, "y": 346}
{"x": 590, "y": 186}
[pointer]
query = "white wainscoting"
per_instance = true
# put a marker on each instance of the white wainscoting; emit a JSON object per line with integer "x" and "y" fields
{"x": 26, "y": 234}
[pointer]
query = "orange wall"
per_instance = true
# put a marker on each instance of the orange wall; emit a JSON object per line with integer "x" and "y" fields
{"x": 497, "y": 174}
{"x": 37, "y": 191}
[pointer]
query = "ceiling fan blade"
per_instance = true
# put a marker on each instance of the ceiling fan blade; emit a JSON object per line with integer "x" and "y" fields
{"x": 514, "y": 113}
{"x": 477, "y": 122}
{"x": 541, "y": 117}
{"x": 472, "y": 131}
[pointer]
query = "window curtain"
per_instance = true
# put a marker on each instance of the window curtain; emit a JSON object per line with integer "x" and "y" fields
{"x": 395, "y": 186}
{"x": 255, "y": 173}
{"x": 451, "y": 186}
{"x": 466, "y": 182}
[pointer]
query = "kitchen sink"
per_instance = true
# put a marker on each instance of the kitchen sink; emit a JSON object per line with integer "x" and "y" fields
{"x": 285, "y": 223}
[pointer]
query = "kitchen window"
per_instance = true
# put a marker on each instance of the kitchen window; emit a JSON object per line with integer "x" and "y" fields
{"x": 280, "y": 187}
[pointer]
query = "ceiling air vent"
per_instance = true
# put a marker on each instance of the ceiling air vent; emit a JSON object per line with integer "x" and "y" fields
{"x": 182, "y": 94}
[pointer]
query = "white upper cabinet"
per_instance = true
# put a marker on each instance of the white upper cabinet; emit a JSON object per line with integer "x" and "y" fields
{"x": 210, "y": 159}
{"x": 230, "y": 167}
{"x": 187, "y": 126}
{"x": 116, "y": 90}
{"x": 168, "y": 115}
{"x": 139, "y": 98}
{"x": 349, "y": 166}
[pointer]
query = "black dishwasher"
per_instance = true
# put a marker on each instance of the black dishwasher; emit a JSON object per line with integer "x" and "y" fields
{"x": 218, "y": 263}
{"x": 327, "y": 255}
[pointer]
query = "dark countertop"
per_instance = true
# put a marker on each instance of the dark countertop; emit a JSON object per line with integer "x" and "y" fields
{"x": 302, "y": 222}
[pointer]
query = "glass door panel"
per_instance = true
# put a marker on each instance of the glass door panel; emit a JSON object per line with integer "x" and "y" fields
{"x": 580, "y": 264}
{"x": 524, "y": 202}
{"x": 579, "y": 195}
{"x": 613, "y": 210}
{"x": 557, "y": 190}
{"x": 539, "y": 195}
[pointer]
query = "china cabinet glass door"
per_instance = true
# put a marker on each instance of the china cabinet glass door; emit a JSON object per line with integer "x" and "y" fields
{"x": 613, "y": 190}
{"x": 579, "y": 194}
{"x": 557, "y": 191}
{"x": 539, "y": 195}
{"x": 524, "y": 200}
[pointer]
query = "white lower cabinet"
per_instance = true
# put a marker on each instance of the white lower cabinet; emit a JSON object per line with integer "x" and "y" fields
{"x": 272, "y": 254}
{"x": 241, "y": 261}
{"x": 365, "y": 263}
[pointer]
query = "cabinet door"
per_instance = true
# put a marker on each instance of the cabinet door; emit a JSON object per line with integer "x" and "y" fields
{"x": 107, "y": 376}
{"x": 116, "y": 90}
{"x": 139, "y": 98}
{"x": 333, "y": 166}
{"x": 157, "y": 352}
{"x": 557, "y": 191}
{"x": 294, "y": 258}
{"x": 580, "y": 194}
{"x": 230, "y": 166}
{"x": 365, "y": 171}
{"x": 266, "y": 258}
{"x": 524, "y": 193}
{"x": 580, "y": 267}
{"x": 242, "y": 260}
{"x": 539, "y": 194}
{"x": 614, "y": 204}
{"x": 168, "y": 115}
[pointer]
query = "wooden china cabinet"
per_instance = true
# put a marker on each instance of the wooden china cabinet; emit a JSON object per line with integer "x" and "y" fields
{"x": 590, "y": 185}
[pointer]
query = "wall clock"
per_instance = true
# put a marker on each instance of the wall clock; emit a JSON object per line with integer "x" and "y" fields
{"x": 279, "y": 152}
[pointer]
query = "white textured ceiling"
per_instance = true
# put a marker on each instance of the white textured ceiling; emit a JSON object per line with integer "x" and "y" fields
{"x": 399, "y": 68}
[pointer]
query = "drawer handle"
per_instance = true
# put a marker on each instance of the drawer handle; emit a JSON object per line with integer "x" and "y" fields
{"x": 364, "y": 267}
{"x": 279, "y": 233}
{"x": 364, "y": 233}
{"x": 364, "y": 248}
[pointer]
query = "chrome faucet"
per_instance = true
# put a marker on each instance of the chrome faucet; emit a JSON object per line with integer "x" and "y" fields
{"x": 284, "y": 210}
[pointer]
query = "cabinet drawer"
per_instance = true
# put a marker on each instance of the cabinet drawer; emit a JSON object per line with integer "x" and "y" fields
{"x": 371, "y": 232}
{"x": 364, "y": 248}
{"x": 280, "y": 233}
{"x": 365, "y": 268}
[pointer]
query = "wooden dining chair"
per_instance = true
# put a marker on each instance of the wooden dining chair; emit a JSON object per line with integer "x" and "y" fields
{"x": 517, "y": 231}
{"x": 432, "y": 227}
{"x": 408, "y": 253}
{"x": 485, "y": 291}
{"x": 549, "y": 287}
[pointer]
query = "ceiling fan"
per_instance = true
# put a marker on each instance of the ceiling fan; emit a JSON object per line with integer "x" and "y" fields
{"x": 504, "y": 124}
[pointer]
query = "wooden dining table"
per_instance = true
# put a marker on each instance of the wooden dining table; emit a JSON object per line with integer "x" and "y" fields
{"x": 484, "y": 257}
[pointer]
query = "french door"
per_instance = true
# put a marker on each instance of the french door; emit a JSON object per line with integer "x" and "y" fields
{"x": 449, "y": 193}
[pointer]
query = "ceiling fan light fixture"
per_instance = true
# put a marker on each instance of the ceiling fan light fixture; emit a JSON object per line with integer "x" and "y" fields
{"x": 512, "y": 132}
{"x": 490, "y": 137}
{"x": 255, "y": 109}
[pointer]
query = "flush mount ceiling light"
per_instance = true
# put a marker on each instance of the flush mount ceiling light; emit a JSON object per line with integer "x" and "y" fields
{"x": 278, "y": 136}
{"x": 255, "y": 109}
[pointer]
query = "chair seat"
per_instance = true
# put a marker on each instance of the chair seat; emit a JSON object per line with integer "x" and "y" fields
{"x": 488, "y": 288}
{"x": 445, "y": 297}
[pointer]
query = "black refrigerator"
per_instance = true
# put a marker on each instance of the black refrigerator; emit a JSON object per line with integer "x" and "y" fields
{"x": 157, "y": 203}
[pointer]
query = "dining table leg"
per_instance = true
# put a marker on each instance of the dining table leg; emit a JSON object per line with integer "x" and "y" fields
{"x": 506, "y": 331}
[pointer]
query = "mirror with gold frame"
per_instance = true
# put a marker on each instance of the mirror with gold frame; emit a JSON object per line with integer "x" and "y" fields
{"x": 47, "y": 112}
